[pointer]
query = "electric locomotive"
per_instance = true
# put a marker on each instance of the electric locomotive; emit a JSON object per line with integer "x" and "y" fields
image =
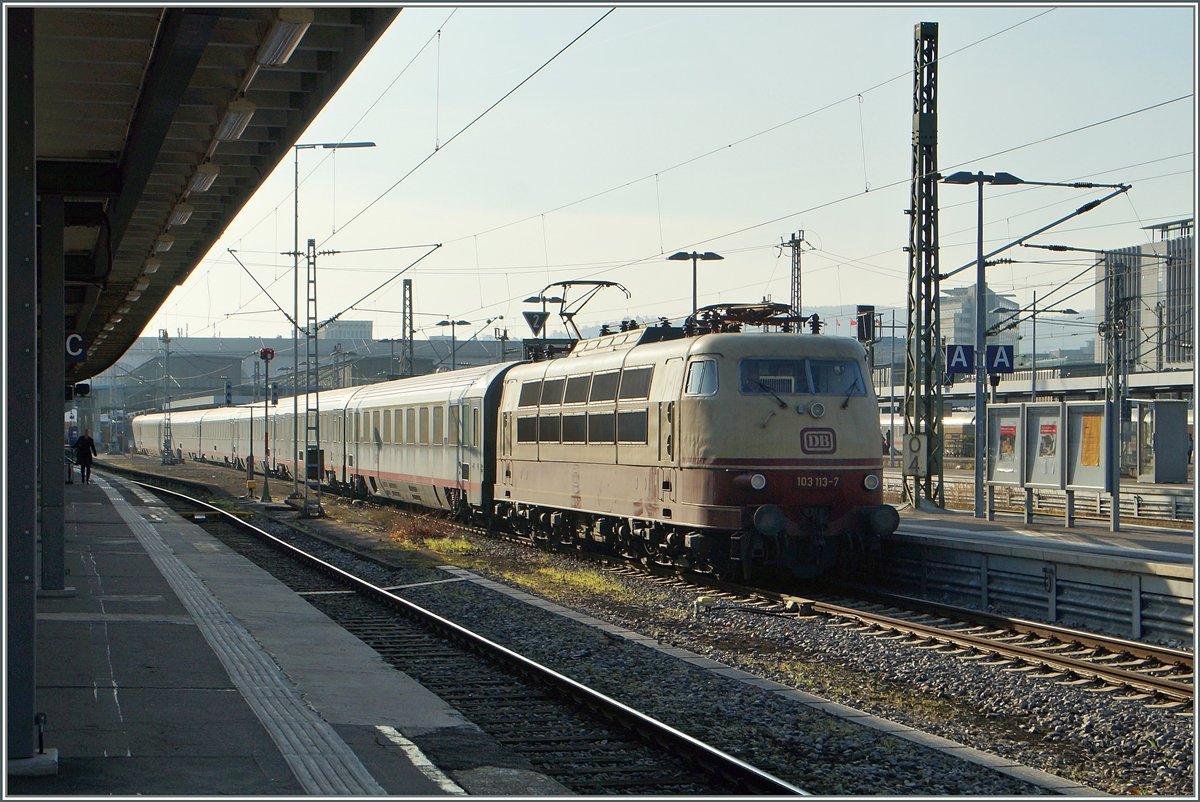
{"x": 735, "y": 453}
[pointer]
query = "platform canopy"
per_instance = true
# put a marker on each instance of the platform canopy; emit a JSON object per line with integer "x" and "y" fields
{"x": 136, "y": 108}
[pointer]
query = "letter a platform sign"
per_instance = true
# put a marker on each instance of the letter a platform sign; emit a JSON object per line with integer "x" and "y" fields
{"x": 999, "y": 359}
{"x": 960, "y": 359}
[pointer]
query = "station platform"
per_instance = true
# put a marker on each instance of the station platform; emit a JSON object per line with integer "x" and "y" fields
{"x": 178, "y": 668}
{"x": 1133, "y": 545}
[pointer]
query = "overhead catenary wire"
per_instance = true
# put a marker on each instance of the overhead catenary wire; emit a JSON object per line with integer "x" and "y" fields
{"x": 467, "y": 127}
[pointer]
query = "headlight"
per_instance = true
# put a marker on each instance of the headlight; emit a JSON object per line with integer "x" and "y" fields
{"x": 758, "y": 481}
{"x": 816, "y": 409}
{"x": 870, "y": 481}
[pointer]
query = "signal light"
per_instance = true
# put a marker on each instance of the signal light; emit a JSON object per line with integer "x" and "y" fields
{"x": 82, "y": 389}
{"x": 266, "y": 354}
{"x": 228, "y": 393}
{"x": 274, "y": 393}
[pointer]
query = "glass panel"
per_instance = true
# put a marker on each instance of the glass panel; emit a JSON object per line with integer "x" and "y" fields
{"x": 604, "y": 386}
{"x": 636, "y": 383}
{"x": 375, "y": 426}
{"x": 454, "y": 422}
{"x": 600, "y": 427}
{"x": 439, "y": 429}
{"x": 527, "y": 430}
{"x": 701, "y": 377}
{"x": 530, "y": 392}
{"x": 631, "y": 426}
{"x": 780, "y": 376}
{"x": 577, "y": 389}
{"x": 410, "y": 425}
{"x": 548, "y": 428}
{"x": 836, "y": 377}
{"x": 423, "y": 427}
{"x": 475, "y": 427}
{"x": 552, "y": 390}
{"x": 574, "y": 428}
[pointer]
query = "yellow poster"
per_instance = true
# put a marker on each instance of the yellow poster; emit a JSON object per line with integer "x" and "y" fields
{"x": 1089, "y": 439}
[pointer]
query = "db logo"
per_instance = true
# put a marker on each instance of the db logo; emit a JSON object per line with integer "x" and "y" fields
{"x": 818, "y": 441}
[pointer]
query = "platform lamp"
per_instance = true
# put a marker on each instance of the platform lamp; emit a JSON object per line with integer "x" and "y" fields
{"x": 452, "y": 324}
{"x": 683, "y": 256}
{"x": 266, "y": 355}
{"x": 295, "y": 254}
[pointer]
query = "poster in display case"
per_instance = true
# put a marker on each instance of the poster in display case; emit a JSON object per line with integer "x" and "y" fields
{"x": 1005, "y": 453}
{"x": 1044, "y": 446}
{"x": 1087, "y": 445}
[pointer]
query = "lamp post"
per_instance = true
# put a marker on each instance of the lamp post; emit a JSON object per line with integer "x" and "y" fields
{"x": 980, "y": 179}
{"x": 452, "y": 324}
{"x": 296, "y": 295}
{"x": 683, "y": 256}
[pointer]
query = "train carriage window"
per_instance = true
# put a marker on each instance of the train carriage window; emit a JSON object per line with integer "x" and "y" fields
{"x": 548, "y": 428}
{"x": 577, "y": 389}
{"x": 631, "y": 426}
{"x": 386, "y": 430}
{"x": 355, "y": 429}
{"x": 375, "y": 436}
{"x": 527, "y": 430}
{"x": 454, "y": 421}
{"x": 601, "y": 427}
{"x": 423, "y": 425}
{"x": 552, "y": 392}
{"x": 635, "y": 383}
{"x": 701, "y": 377}
{"x": 410, "y": 426}
{"x": 574, "y": 428}
{"x": 604, "y": 386}
{"x": 530, "y": 393}
{"x": 439, "y": 428}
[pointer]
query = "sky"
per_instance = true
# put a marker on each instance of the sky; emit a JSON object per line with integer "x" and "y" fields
{"x": 710, "y": 128}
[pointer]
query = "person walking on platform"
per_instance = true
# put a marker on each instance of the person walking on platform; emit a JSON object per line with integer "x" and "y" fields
{"x": 85, "y": 449}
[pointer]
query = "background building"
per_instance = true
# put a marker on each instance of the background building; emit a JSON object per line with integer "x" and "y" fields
{"x": 1155, "y": 285}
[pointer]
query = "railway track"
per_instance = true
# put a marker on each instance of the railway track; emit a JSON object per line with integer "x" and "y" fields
{"x": 584, "y": 740}
{"x": 1159, "y": 676}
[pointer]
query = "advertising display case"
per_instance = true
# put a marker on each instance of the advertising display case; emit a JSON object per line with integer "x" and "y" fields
{"x": 1005, "y": 451}
{"x": 1044, "y": 446}
{"x": 1087, "y": 446}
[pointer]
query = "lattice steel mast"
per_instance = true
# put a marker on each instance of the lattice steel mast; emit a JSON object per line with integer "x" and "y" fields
{"x": 922, "y": 365}
{"x": 406, "y": 327}
{"x": 794, "y": 243}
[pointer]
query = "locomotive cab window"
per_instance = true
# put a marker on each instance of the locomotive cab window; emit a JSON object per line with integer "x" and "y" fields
{"x": 836, "y": 377}
{"x": 701, "y": 377}
{"x": 801, "y": 376}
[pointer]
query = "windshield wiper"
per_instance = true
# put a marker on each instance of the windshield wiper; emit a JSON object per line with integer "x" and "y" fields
{"x": 782, "y": 403}
{"x": 850, "y": 392}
